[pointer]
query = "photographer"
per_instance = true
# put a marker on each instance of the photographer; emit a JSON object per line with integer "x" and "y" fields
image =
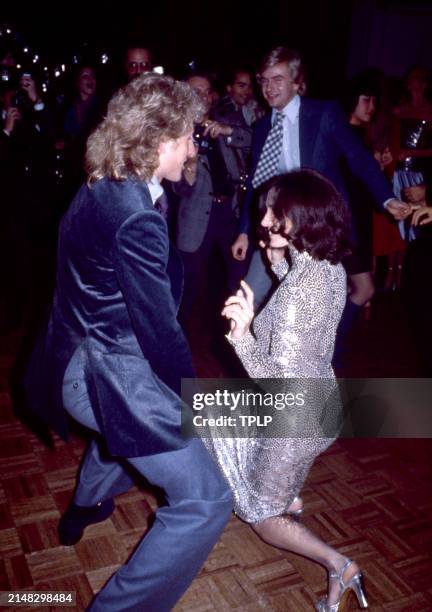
{"x": 208, "y": 207}
{"x": 26, "y": 187}
{"x": 25, "y": 124}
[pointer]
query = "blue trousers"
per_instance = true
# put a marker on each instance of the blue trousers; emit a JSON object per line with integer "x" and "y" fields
{"x": 259, "y": 279}
{"x": 185, "y": 530}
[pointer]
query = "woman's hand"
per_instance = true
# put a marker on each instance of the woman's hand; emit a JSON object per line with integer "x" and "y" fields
{"x": 422, "y": 216}
{"x": 239, "y": 309}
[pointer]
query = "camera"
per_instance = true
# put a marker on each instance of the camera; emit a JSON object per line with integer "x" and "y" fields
{"x": 20, "y": 101}
{"x": 202, "y": 142}
{"x": 7, "y": 74}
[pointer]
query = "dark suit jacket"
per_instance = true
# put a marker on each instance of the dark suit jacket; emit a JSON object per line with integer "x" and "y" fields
{"x": 118, "y": 288}
{"x": 324, "y": 137}
{"x": 196, "y": 200}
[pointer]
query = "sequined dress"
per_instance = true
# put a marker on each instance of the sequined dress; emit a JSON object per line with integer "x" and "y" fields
{"x": 416, "y": 134}
{"x": 293, "y": 338}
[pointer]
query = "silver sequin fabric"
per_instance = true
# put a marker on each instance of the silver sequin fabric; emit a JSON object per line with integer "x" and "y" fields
{"x": 293, "y": 338}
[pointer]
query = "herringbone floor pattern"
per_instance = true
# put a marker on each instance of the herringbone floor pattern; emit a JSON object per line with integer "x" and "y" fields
{"x": 372, "y": 499}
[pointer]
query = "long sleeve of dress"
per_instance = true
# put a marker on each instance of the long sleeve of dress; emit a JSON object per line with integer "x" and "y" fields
{"x": 294, "y": 335}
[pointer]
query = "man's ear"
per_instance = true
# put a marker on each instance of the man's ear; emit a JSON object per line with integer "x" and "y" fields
{"x": 166, "y": 145}
{"x": 162, "y": 147}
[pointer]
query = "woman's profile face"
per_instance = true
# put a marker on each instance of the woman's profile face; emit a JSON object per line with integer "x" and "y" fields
{"x": 365, "y": 110}
{"x": 269, "y": 221}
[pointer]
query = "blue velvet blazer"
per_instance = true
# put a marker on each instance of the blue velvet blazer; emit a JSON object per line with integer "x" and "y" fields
{"x": 119, "y": 284}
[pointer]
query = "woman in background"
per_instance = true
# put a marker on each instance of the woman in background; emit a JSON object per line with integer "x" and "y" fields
{"x": 79, "y": 115}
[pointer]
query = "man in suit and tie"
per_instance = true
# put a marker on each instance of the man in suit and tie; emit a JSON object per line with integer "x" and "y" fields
{"x": 114, "y": 354}
{"x": 300, "y": 132}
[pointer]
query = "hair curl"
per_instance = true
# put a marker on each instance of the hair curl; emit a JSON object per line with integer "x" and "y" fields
{"x": 319, "y": 216}
{"x": 149, "y": 110}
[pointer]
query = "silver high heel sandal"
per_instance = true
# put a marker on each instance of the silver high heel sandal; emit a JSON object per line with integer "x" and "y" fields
{"x": 296, "y": 513}
{"x": 355, "y": 584}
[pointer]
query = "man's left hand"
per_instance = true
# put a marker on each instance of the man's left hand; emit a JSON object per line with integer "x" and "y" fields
{"x": 400, "y": 210}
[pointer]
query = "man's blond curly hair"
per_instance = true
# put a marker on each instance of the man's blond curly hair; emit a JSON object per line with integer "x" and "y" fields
{"x": 149, "y": 110}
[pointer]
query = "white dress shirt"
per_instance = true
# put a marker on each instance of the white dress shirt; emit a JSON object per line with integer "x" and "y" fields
{"x": 290, "y": 155}
{"x": 155, "y": 188}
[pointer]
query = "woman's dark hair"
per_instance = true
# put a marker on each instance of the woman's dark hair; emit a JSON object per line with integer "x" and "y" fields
{"x": 319, "y": 216}
{"x": 363, "y": 84}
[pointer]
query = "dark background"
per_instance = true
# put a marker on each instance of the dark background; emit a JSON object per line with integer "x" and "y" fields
{"x": 336, "y": 37}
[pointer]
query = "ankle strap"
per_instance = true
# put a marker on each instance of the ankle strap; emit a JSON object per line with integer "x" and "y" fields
{"x": 339, "y": 575}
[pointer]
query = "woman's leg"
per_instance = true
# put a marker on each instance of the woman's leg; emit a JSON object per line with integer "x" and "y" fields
{"x": 286, "y": 533}
{"x": 362, "y": 288}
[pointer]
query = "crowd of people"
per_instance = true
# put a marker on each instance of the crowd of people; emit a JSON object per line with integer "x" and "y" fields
{"x": 43, "y": 145}
{"x": 284, "y": 200}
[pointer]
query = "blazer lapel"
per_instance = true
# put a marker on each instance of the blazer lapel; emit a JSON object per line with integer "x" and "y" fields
{"x": 308, "y": 130}
{"x": 259, "y": 138}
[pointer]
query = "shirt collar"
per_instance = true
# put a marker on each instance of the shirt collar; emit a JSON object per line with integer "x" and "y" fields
{"x": 290, "y": 111}
{"x": 155, "y": 188}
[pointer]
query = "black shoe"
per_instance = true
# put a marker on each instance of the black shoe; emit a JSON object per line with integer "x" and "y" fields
{"x": 77, "y": 518}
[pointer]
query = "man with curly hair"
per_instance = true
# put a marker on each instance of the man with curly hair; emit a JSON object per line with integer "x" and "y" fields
{"x": 115, "y": 355}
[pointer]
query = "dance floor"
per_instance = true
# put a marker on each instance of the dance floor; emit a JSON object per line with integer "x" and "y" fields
{"x": 370, "y": 498}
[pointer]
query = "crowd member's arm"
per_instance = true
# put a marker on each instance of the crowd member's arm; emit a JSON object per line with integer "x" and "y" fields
{"x": 363, "y": 164}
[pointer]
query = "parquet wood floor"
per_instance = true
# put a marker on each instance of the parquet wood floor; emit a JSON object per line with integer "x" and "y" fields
{"x": 370, "y": 498}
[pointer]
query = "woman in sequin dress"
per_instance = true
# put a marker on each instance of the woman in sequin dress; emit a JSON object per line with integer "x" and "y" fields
{"x": 413, "y": 133}
{"x": 291, "y": 338}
